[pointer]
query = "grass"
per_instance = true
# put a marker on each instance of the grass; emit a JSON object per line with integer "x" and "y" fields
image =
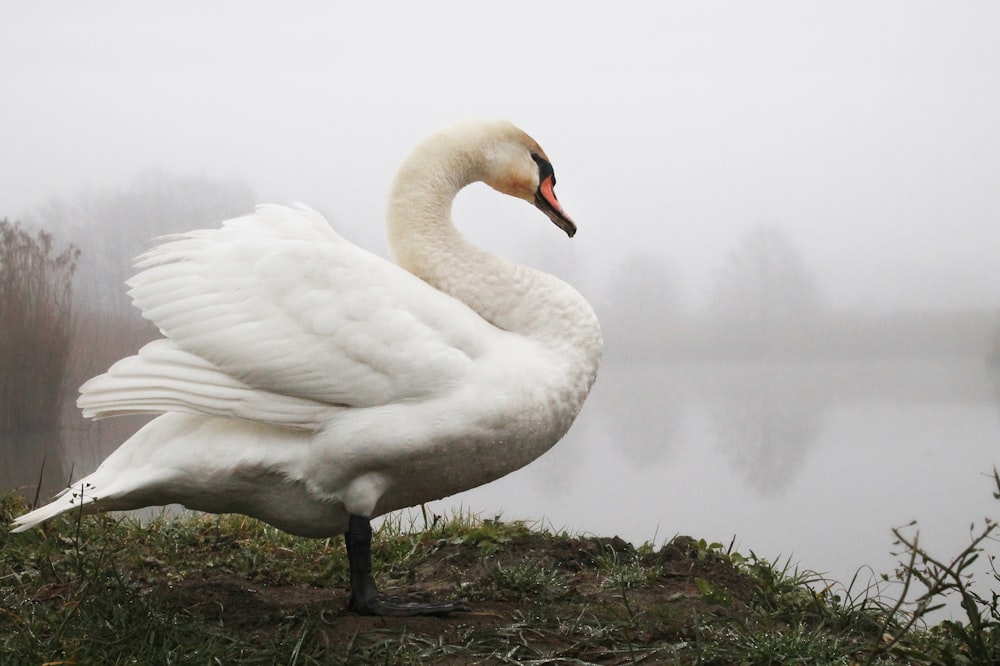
{"x": 94, "y": 592}
{"x": 193, "y": 589}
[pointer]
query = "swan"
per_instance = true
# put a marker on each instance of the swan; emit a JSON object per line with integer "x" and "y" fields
{"x": 311, "y": 384}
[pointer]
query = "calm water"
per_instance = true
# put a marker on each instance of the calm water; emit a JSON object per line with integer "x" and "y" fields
{"x": 813, "y": 461}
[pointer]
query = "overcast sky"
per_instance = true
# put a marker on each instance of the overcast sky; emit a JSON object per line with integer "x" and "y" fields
{"x": 869, "y": 130}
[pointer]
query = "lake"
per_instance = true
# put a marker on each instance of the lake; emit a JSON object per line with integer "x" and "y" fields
{"x": 810, "y": 461}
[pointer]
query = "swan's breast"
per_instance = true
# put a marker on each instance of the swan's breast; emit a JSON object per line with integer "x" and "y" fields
{"x": 512, "y": 408}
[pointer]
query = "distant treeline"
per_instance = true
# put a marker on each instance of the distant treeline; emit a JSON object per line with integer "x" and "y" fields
{"x": 765, "y": 303}
{"x": 845, "y": 335}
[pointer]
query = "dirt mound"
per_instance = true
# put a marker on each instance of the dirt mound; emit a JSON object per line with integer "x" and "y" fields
{"x": 546, "y": 593}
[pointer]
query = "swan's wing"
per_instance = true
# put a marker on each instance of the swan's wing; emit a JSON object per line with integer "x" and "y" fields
{"x": 279, "y": 302}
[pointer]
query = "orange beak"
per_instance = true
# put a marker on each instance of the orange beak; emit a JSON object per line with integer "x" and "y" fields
{"x": 545, "y": 201}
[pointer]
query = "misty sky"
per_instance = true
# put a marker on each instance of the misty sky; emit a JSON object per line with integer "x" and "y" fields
{"x": 869, "y": 130}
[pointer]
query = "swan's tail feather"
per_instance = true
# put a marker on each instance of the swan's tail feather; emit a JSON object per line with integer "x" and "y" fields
{"x": 204, "y": 463}
{"x": 107, "y": 489}
{"x": 79, "y": 496}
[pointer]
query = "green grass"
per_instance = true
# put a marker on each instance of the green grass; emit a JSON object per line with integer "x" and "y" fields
{"x": 94, "y": 592}
{"x": 191, "y": 589}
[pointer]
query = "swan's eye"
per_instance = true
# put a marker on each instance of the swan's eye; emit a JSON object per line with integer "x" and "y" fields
{"x": 544, "y": 168}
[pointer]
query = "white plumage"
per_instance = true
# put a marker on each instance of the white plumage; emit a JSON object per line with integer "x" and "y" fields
{"x": 303, "y": 379}
{"x": 278, "y": 307}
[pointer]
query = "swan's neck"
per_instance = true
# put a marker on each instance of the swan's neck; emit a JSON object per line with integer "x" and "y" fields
{"x": 419, "y": 231}
{"x": 424, "y": 241}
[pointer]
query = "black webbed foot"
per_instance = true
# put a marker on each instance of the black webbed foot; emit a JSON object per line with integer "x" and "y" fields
{"x": 393, "y": 607}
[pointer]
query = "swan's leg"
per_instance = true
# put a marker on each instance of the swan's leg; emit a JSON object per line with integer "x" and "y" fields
{"x": 365, "y": 597}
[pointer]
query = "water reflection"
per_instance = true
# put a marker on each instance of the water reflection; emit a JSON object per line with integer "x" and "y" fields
{"x": 766, "y": 418}
{"x": 636, "y": 409}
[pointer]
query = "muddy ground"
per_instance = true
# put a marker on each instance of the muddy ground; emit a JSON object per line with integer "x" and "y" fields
{"x": 598, "y": 598}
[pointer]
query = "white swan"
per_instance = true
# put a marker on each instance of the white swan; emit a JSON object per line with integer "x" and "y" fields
{"x": 313, "y": 385}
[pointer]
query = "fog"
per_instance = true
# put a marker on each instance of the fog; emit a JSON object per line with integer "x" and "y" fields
{"x": 853, "y": 148}
{"x": 866, "y": 130}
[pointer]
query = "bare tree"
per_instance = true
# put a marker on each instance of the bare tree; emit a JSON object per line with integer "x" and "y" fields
{"x": 35, "y": 327}
{"x": 764, "y": 298}
{"x": 36, "y": 320}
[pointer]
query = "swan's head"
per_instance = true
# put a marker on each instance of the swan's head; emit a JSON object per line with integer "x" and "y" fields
{"x": 516, "y": 165}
